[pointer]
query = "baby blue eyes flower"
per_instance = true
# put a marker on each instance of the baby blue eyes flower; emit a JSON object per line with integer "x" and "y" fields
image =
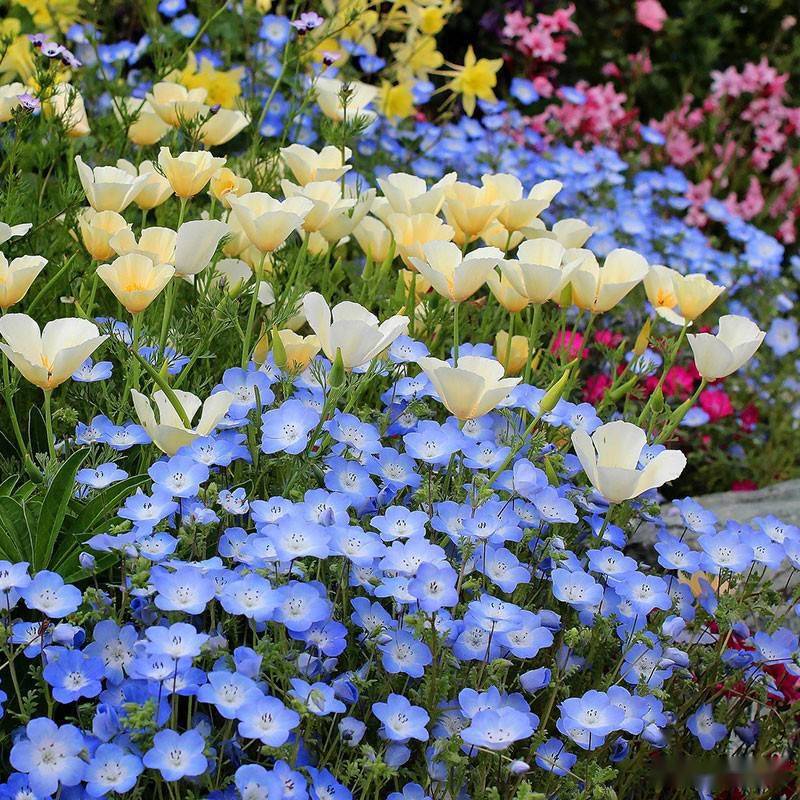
{"x": 696, "y": 518}
{"x": 246, "y": 386}
{"x": 434, "y": 587}
{"x": 170, "y": 8}
{"x": 112, "y": 769}
{"x": 357, "y": 436}
{"x": 725, "y": 551}
{"x": 178, "y": 476}
{"x": 702, "y": 725}
{"x": 177, "y": 755}
{"x": 433, "y": 443}
{"x": 48, "y": 593}
{"x": 782, "y": 336}
{"x": 148, "y": 510}
{"x": 404, "y": 653}
{"x": 576, "y": 588}
{"x": 228, "y": 692}
{"x": 400, "y": 720}
{"x": 101, "y": 476}
{"x": 89, "y": 372}
{"x": 553, "y": 507}
{"x": 49, "y": 756}
{"x": 551, "y": 756}
{"x": 498, "y": 729}
{"x": 587, "y": 720}
{"x": 522, "y": 89}
{"x": 185, "y": 589}
{"x": 287, "y": 428}
{"x": 299, "y": 606}
{"x": 319, "y": 698}
{"x": 186, "y": 25}
{"x": 179, "y": 640}
{"x": 72, "y": 674}
{"x": 275, "y": 29}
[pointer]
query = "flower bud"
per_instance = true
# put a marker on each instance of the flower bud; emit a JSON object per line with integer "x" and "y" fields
{"x": 642, "y": 339}
{"x": 278, "y": 350}
{"x": 336, "y": 375}
{"x": 554, "y": 392}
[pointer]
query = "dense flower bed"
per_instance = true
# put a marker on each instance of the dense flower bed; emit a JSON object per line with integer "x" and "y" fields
{"x": 334, "y": 426}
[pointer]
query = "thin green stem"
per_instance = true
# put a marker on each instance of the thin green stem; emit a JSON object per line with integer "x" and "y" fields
{"x": 456, "y": 336}
{"x": 48, "y": 422}
{"x": 251, "y": 316}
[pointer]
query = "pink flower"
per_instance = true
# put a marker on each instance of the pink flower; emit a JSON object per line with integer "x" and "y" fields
{"x": 516, "y": 24}
{"x": 650, "y": 14}
{"x": 716, "y": 403}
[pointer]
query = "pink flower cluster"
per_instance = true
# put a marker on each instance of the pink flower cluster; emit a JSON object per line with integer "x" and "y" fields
{"x": 543, "y": 39}
{"x": 745, "y": 132}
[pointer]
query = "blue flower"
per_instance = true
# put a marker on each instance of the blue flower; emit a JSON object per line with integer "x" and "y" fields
{"x": 177, "y": 755}
{"x": 179, "y": 640}
{"x": 49, "y": 755}
{"x": 725, "y": 551}
{"x": 782, "y": 336}
{"x": 498, "y": 729}
{"x": 522, "y": 89}
{"x": 48, "y": 593}
{"x": 702, "y": 725}
{"x": 186, "y": 25}
{"x": 696, "y": 518}
{"x": 275, "y": 29}
{"x": 89, "y": 372}
{"x": 404, "y": 653}
{"x": 170, "y": 8}
{"x": 112, "y": 769}
{"x": 72, "y": 674}
{"x": 587, "y": 720}
{"x": 101, "y": 476}
{"x": 552, "y": 757}
{"x": 318, "y": 698}
{"x": 299, "y": 606}
{"x": 229, "y": 692}
{"x": 400, "y": 720}
{"x": 287, "y": 428}
{"x": 178, "y": 476}
{"x": 433, "y": 443}
{"x": 434, "y": 587}
{"x": 183, "y": 589}
{"x": 576, "y": 588}
{"x": 148, "y": 510}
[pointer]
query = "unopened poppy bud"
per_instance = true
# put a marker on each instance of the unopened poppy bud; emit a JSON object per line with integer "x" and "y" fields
{"x": 565, "y": 298}
{"x": 553, "y": 394}
{"x": 643, "y": 338}
{"x": 624, "y": 388}
{"x": 550, "y": 471}
{"x": 278, "y": 350}
{"x": 657, "y": 400}
{"x": 336, "y": 375}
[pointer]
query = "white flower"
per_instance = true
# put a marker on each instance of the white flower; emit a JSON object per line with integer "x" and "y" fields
{"x": 473, "y": 388}
{"x": 169, "y": 433}
{"x": 718, "y": 356}
{"x": 351, "y": 329}
{"x": 610, "y": 458}
{"x": 47, "y": 358}
{"x": 452, "y": 275}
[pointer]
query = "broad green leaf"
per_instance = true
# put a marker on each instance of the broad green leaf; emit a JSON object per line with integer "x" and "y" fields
{"x": 54, "y": 508}
{"x": 15, "y": 538}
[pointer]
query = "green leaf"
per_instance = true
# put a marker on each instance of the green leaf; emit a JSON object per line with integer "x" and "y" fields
{"x": 54, "y": 508}
{"x": 12, "y": 527}
{"x": 7, "y": 486}
{"x": 104, "y": 505}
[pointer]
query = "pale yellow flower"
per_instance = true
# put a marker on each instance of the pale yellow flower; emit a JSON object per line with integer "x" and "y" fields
{"x": 475, "y": 80}
{"x": 189, "y": 172}
{"x": 412, "y": 232}
{"x": 16, "y": 277}
{"x": 97, "y": 228}
{"x": 135, "y": 280}
{"x": 175, "y": 103}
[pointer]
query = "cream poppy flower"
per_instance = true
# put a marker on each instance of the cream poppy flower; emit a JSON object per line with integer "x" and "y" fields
{"x": 108, "y": 188}
{"x": 222, "y": 126}
{"x": 473, "y": 388}
{"x": 157, "y": 244}
{"x": 48, "y": 357}
{"x": 266, "y": 222}
{"x": 16, "y": 278}
{"x": 569, "y": 233}
{"x": 155, "y": 189}
{"x": 195, "y": 245}
{"x": 67, "y": 104}
{"x": 97, "y": 229}
{"x": 695, "y": 294}
{"x": 599, "y": 289}
{"x": 308, "y": 165}
{"x": 505, "y": 292}
{"x": 409, "y": 194}
{"x": 610, "y": 458}
{"x": 734, "y": 345}
{"x": 517, "y": 211}
{"x": 537, "y": 272}
{"x": 9, "y": 99}
{"x": 470, "y": 210}
{"x": 168, "y": 432}
{"x": 452, "y": 275}
{"x": 174, "y": 103}
{"x": 326, "y": 199}
{"x": 189, "y": 172}
{"x": 412, "y": 233}
{"x": 342, "y": 223}
{"x": 147, "y": 127}
{"x": 351, "y": 329}
{"x": 227, "y": 184}
{"x": 374, "y": 238}
{"x": 517, "y": 352}
{"x": 329, "y": 99}
{"x": 660, "y": 290}
{"x": 300, "y": 350}
{"x": 135, "y": 280}
{"x": 13, "y": 231}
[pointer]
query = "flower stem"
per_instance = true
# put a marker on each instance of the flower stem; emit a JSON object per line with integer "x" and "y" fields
{"x": 251, "y": 317}
{"x": 48, "y": 422}
{"x": 456, "y": 337}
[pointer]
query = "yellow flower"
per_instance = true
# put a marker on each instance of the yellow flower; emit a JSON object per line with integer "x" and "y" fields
{"x": 48, "y": 14}
{"x": 475, "y": 80}
{"x": 430, "y": 19}
{"x": 223, "y": 86}
{"x": 417, "y": 56}
{"x": 396, "y": 101}
{"x": 17, "y": 59}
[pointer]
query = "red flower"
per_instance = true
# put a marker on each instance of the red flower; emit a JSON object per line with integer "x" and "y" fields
{"x": 571, "y": 341}
{"x": 744, "y": 486}
{"x": 595, "y": 388}
{"x": 749, "y": 417}
{"x": 716, "y": 403}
